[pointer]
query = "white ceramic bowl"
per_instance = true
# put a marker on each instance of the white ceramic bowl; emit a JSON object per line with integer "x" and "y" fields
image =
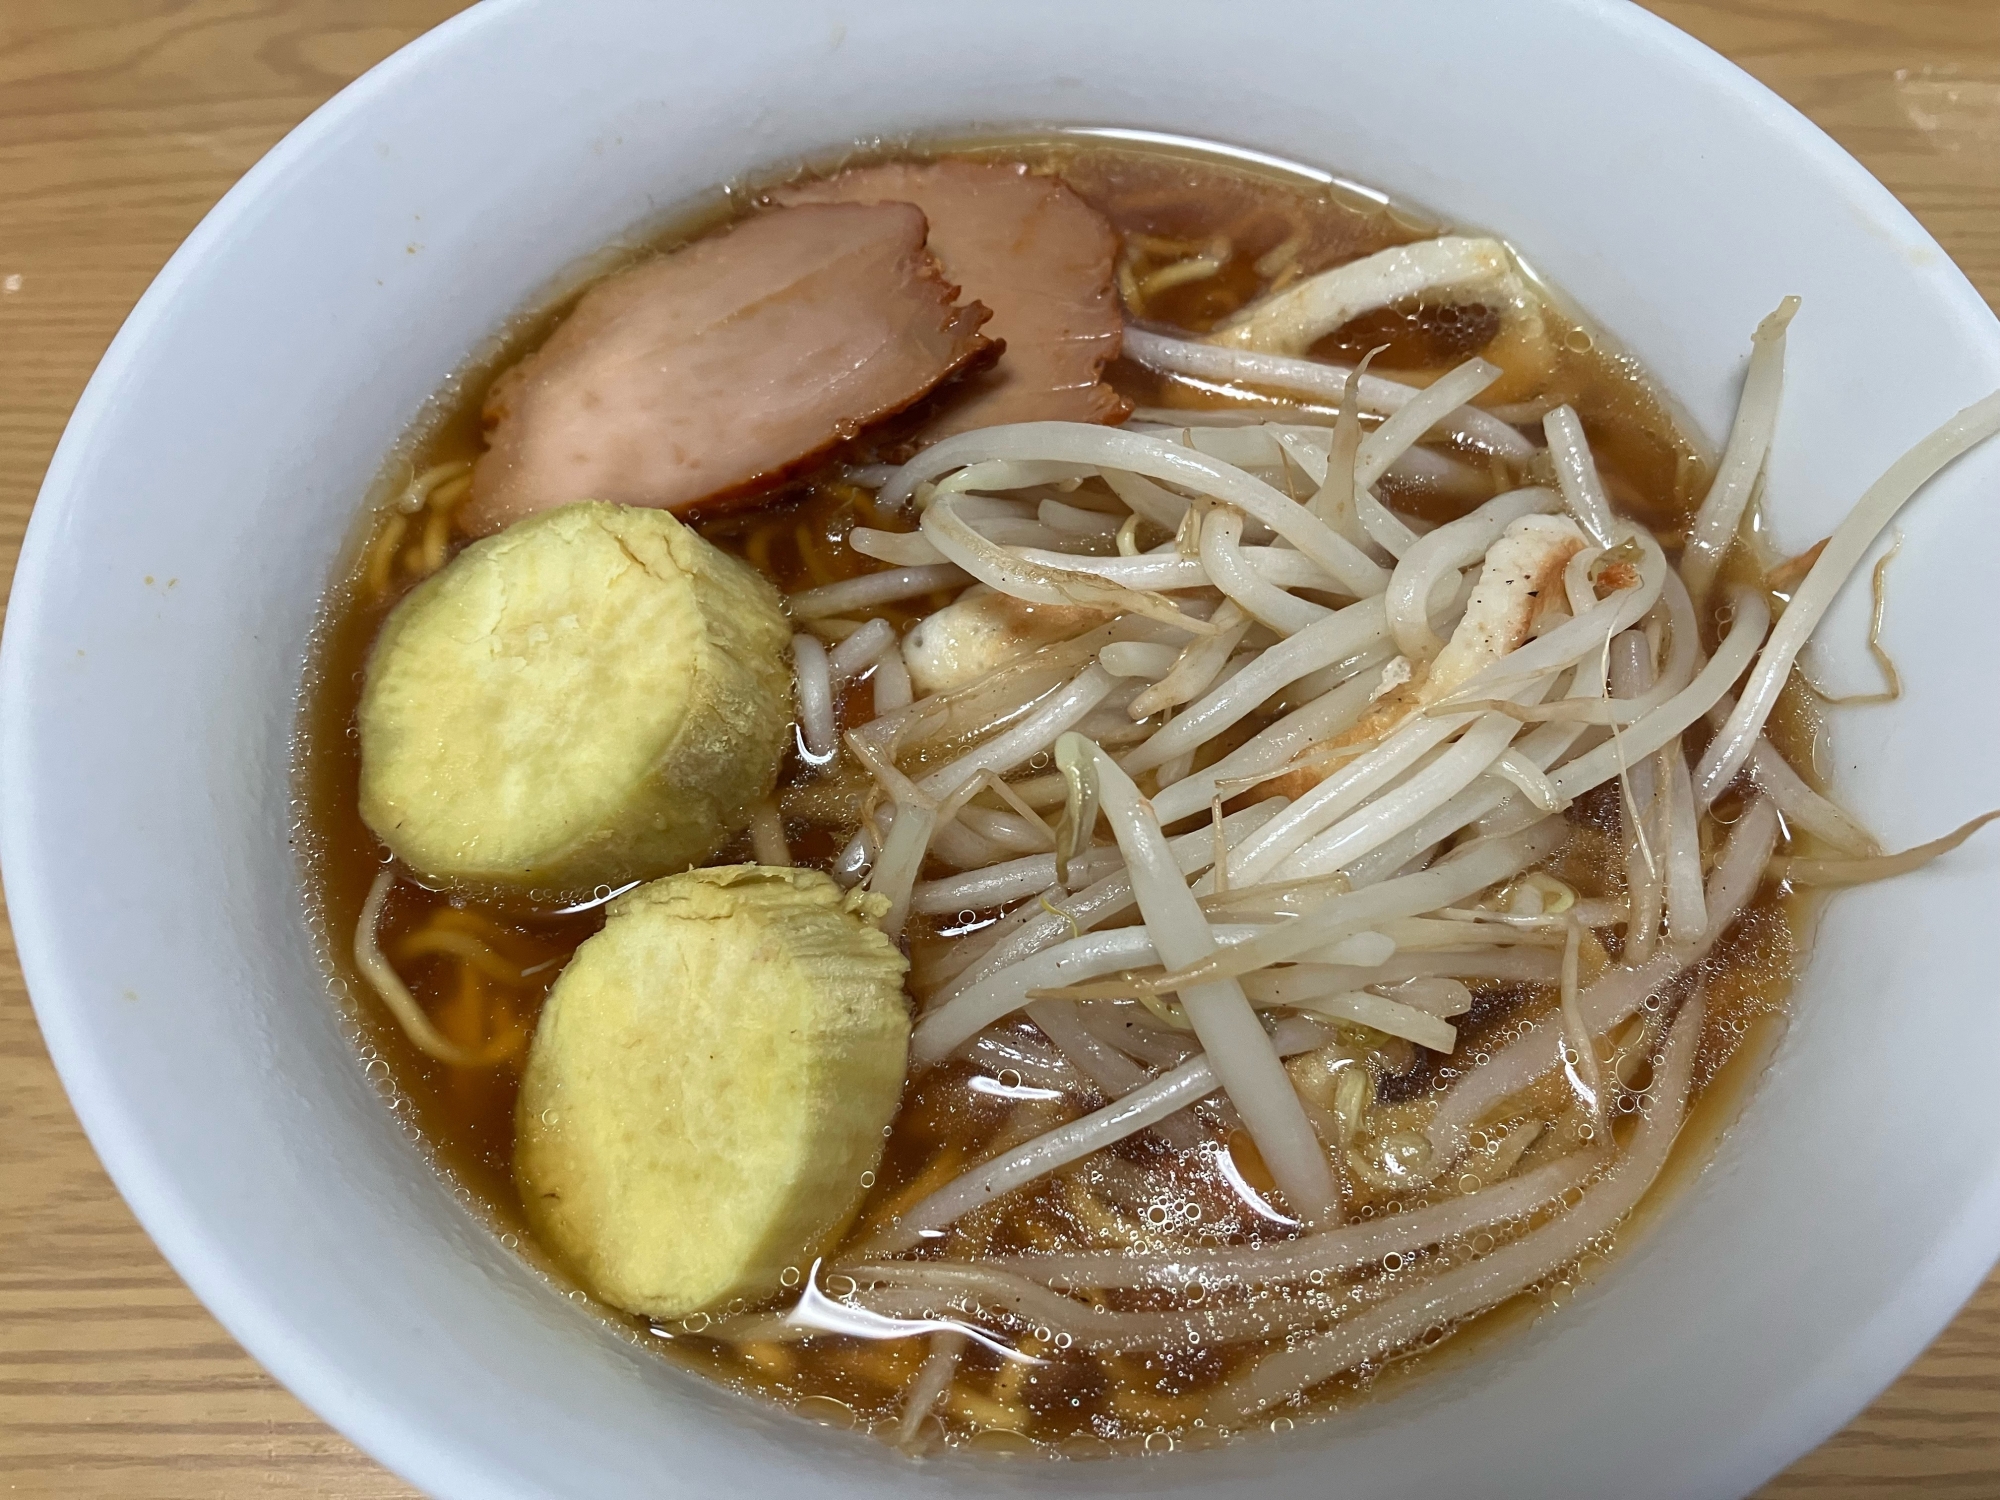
{"x": 212, "y": 472}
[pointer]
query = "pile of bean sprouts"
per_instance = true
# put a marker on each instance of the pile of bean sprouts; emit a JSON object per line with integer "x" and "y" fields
{"x": 1177, "y": 943}
{"x": 1211, "y": 827}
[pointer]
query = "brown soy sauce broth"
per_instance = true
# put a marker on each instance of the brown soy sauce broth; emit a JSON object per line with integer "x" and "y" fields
{"x": 1265, "y": 228}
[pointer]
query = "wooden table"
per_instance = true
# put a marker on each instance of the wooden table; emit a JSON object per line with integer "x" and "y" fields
{"x": 121, "y": 121}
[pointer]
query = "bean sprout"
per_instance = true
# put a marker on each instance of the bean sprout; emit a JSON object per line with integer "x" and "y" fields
{"x": 1844, "y": 550}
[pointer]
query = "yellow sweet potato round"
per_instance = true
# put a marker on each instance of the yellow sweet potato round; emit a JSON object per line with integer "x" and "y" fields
{"x": 594, "y": 696}
{"x": 710, "y": 1079}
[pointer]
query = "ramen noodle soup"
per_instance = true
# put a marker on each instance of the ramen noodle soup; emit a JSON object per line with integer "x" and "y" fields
{"x": 1065, "y": 795}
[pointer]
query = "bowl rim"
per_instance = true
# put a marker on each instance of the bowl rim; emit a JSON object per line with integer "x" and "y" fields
{"x": 1958, "y": 1263}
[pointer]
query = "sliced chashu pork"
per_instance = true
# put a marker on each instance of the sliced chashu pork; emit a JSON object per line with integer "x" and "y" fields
{"x": 1035, "y": 253}
{"x": 1520, "y": 581}
{"x": 726, "y": 365}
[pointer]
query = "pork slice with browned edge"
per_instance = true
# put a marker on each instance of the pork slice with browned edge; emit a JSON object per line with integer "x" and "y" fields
{"x": 708, "y": 373}
{"x": 1031, "y": 250}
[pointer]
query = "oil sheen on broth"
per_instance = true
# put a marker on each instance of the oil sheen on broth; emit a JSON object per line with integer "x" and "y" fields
{"x": 1199, "y": 239}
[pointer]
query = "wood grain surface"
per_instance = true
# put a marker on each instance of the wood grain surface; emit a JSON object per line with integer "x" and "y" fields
{"x": 121, "y": 122}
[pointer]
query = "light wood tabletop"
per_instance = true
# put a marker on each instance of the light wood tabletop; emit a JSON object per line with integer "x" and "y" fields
{"x": 121, "y": 122}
